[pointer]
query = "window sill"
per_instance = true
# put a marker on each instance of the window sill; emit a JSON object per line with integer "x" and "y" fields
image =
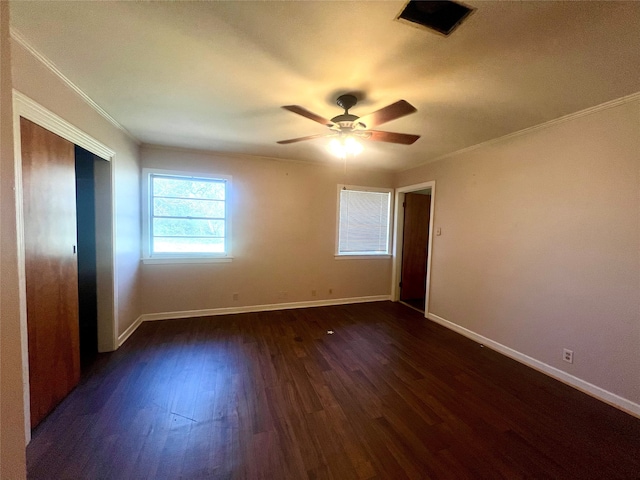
{"x": 358, "y": 257}
{"x": 178, "y": 260}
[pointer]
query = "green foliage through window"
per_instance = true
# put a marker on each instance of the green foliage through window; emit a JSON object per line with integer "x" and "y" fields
{"x": 187, "y": 215}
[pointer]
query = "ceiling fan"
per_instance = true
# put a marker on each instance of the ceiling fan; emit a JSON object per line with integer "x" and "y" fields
{"x": 347, "y": 125}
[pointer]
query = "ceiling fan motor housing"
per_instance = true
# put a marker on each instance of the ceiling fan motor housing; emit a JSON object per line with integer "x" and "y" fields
{"x": 346, "y": 101}
{"x": 346, "y": 121}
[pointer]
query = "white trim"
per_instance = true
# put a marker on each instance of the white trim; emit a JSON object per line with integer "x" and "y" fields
{"x": 551, "y": 123}
{"x": 362, "y": 257}
{"x": 398, "y": 234}
{"x": 166, "y": 258}
{"x": 593, "y": 390}
{"x": 35, "y": 112}
{"x": 129, "y": 331}
{"x": 183, "y": 260}
{"x": 247, "y": 156}
{"x": 22, "y": 282}
{"x": 21, "y": 40}
{"x": 24, "y": 106}
{"x": 210, "y": 312}
{"x": 107, "y": 279}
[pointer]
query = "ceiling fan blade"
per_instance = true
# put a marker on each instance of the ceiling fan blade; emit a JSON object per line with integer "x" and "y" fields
{"x": 302, "y": 139}
{"x": 310, "y": 115}
{"x": 392, "y": 137}
{"x": 388, "y": 113}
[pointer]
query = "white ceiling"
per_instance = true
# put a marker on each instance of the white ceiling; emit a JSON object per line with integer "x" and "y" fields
{"x": 213, "y": 75}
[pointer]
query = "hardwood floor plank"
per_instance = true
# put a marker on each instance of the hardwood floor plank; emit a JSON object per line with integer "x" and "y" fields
{"x": 271, "y": 395}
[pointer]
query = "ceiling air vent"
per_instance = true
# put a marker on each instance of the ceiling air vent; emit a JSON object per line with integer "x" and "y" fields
{"x": 442, "y": 16}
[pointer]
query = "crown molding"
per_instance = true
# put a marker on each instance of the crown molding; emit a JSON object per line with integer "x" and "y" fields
{"x": 31, "y": 110}
{"x": 541, "y": 126}
{"x": 22, "y": 41}
{"x": 249, "y": 156}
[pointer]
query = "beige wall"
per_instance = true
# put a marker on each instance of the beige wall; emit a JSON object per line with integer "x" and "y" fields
{"x": 12, "y": 433}
{"x": 33, "y": 79}
{"x": 540, "y": 244}
{"x": 21, "y": 70}
{"x": 283, "y": 238}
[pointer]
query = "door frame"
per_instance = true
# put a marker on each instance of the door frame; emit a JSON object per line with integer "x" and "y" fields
{"x": 24, "y": 106}
{"x": 398, "y": 236}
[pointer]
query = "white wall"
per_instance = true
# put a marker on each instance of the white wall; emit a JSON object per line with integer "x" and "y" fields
{"x": 12, "y": 433}
{"x": 283, "y": 238}
{"x": 540, "y": 245}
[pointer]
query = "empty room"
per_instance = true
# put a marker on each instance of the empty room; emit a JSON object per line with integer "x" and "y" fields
{"x": 320, "y": 239}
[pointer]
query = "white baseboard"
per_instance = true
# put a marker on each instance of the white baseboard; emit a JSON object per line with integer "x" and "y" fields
{"x": 259, "y": 308}
{"x": 148, "y": 317}
{"x": 127, "y": 333}
{"x": 612, "y": 399}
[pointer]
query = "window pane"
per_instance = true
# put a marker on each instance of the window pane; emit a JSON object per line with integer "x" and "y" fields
{"x": 186, "y": 214}
{"x": 188, "y": 245}
{"x": 170, "y": 227}
{"x": 173, "y": 207}
{"x": 188, "y": 188}
{"x": 364, "y": 222}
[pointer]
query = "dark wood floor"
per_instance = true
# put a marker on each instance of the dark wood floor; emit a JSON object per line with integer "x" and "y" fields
{"x": 272, "y": 395}
{"x": 416, "y": 303}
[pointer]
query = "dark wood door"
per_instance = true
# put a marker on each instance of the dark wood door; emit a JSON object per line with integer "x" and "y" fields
{"x": 48, "y": 170}
{"x": 417, "y": 209}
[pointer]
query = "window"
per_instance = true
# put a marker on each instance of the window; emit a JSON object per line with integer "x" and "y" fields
{"x": 187, "y": 217}
{"x": 364, "y": 216}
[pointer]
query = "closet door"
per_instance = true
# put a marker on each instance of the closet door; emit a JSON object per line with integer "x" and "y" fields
{"x": 48, "y": 172}
{"x": 417, "y": 210}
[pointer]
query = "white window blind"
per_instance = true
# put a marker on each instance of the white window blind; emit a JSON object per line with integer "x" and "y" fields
{"x": 364, "y": 222}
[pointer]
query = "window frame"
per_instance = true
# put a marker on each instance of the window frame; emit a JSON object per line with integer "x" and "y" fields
{"x": 187, "y": 257}
{"x": 353, "y": 255}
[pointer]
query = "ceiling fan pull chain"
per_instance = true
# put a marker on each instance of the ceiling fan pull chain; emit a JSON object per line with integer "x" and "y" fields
{"x": 344, "y": 181}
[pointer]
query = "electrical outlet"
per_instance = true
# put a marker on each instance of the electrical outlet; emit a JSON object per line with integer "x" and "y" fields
{"x": 236, "y": 296}
{"x": 567, "y": 355}
{"x": 313, "y": 293}
{"x": 330, "y": 291}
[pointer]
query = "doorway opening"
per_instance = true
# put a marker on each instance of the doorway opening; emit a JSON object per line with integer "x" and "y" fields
{"x": 413, "y": 245}
{"x": 86, "y": 255}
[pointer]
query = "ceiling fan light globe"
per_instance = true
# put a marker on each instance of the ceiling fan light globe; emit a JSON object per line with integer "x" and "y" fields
{"x": 336, "y": 148}
{"x": 352, "y": 146}
{"x": 346, "y": 146}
